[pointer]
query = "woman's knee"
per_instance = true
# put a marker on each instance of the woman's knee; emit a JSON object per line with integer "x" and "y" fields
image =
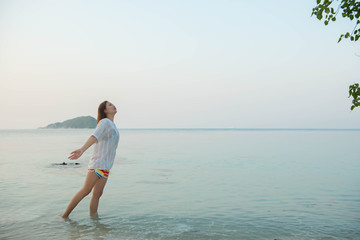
{"x": 97, "y": 194}
{"x": 86, "y": 191}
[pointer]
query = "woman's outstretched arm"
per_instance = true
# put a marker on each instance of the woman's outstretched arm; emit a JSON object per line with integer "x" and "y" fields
{"x": 77, "y": 153}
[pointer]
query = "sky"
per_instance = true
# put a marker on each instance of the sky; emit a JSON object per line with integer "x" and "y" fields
{"x": 175, "y": 64}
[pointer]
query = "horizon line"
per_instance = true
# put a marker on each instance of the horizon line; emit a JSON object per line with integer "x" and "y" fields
{"x": 214, "y": 128}
{"x": 230, "y": 128}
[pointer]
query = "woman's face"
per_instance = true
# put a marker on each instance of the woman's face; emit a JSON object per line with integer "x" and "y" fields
{"x": 110, "y": 108}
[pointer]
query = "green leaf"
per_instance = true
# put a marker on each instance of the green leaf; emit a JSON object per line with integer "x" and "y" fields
{"x": 352, "y": 107}
{"x": 351, "y": 17}
{"x": 327, "y": 10}
{"x": 334, "y": 19}
{"x": 340, "y": 38}
{"x": 357, "y": 37}
{"x": 326, "y": 22}
{"x": 352, "y": 38}
{"x": 347, "y": 35}
{"x": 318, "y": 1}
{"x": 319, "y": 16}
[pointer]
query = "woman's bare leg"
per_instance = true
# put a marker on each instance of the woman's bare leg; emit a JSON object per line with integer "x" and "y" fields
{"x": 97, "y": 192}
{"x": 90, "y": 181}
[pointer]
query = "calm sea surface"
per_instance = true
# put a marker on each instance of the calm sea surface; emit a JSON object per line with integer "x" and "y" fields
{"x": 185, "y": 184}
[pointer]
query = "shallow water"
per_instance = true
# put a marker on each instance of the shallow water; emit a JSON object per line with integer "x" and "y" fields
{"x": 185, "y": 184}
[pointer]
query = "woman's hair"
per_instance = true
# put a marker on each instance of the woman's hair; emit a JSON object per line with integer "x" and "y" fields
{"x": 101, "y": 111}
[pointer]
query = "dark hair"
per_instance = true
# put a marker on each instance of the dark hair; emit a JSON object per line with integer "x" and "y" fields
{"x": 101, "y": 111}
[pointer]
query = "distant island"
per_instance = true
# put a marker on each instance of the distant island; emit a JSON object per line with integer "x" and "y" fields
{"x": 79, "y": 122}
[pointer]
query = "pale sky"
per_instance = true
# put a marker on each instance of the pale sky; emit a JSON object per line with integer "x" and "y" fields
{"x": 175, "y": 64}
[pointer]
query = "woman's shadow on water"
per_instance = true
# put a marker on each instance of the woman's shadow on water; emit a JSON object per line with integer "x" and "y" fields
{"x": 96, "y": 229}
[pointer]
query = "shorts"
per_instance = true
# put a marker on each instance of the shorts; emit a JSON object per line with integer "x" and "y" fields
{"x": 101, "y": 173}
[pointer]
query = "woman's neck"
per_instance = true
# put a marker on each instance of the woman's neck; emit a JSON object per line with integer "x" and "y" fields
{"x": 111, "y": 117}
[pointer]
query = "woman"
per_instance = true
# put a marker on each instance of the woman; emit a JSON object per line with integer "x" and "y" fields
{"x": 106, "y": 139}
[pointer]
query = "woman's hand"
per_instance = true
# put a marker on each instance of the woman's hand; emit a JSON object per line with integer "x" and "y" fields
{"x": 76, "y": 154}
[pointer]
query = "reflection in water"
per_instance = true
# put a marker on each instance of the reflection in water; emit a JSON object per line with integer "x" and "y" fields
{"x": 94, "y": 230}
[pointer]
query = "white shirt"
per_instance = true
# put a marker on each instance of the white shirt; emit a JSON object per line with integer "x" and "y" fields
{"x": 107, "y": 137}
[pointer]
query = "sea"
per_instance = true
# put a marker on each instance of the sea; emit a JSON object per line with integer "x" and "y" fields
{"x": 191, "y": 184}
